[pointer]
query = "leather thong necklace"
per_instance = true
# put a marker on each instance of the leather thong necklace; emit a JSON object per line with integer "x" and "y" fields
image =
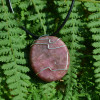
{"x": 49, "y": 56}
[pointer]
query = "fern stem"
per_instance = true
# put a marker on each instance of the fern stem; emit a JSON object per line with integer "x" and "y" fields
{"x": 39, "y": 17}
{"x": 10, "y": 41}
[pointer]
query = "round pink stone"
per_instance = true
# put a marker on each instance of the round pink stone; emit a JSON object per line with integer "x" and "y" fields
{"x": 49, "y": 58}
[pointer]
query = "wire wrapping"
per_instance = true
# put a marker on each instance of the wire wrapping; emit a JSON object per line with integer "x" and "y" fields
{"x": 48, "y": 47}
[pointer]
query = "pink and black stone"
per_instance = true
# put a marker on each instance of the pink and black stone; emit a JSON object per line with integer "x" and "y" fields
{"x": 49, "y": 58}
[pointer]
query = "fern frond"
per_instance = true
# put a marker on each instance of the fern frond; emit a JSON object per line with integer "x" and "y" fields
{"x": 94, "y": 26}
{"x": 48, "y": 91}
{"x": 39, "y": 17}
{"x": 72, "y": 37}
{"x": 12, "y": 43}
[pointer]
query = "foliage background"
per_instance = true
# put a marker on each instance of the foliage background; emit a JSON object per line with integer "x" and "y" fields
{"x": 81, "y": 34}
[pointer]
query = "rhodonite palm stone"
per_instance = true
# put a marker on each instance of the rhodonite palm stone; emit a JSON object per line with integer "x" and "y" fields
{"x": 49, "y": 58}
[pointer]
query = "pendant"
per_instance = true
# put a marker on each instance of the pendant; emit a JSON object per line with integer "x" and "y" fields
{"x": 49, "y": 55}
{"x": 49, "y": 58}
